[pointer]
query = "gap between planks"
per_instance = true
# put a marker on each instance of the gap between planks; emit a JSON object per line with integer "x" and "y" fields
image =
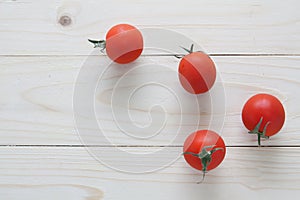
{"x": 212, "y": 54}
{"x": 139, "y": 146}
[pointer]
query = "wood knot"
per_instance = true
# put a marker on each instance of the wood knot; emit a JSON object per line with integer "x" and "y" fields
{"x": 65, "y": 20}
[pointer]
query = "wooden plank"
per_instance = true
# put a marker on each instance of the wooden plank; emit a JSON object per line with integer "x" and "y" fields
{"x": 37, "y": 95}
{"x": 60, "y": 173}
{"x": 61, "y": 28}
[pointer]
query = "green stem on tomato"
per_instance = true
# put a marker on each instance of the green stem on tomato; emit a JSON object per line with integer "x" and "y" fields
{"x": 191, "y": 50}
{"x": 258, "y": 139}
{"x": 98, "y": 44}
{"x": 205, "y": 157}
{"x": 259, "y": 133}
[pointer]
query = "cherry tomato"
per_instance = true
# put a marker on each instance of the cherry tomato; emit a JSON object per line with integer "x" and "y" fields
{"x": 123, "y": 44}
{"x": 204, "y": 150}
{"x": 263, "y": 114}
{"x": 197, "y": 72}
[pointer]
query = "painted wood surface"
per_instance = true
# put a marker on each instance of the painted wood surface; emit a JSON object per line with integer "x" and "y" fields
{"x": 44, "y": 27}
{"x": 37, "y": 106}
{"x": 71, "y": 173}
{"x": 44, "y": 49}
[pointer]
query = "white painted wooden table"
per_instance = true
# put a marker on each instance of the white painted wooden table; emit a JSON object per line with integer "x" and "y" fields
{"x": 255, "y": 44}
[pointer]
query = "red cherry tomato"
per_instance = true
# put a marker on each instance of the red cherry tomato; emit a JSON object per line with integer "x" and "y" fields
{"x": 124, "y": 43}
{"x": 263, "y": 111}
{"x": 209, "y": 144}
{"x": 197, "y": 72}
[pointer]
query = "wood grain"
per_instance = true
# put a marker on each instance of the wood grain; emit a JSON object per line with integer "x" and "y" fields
{"x": 37, "y": 106}
{"x": 62, "y": 27}
{"x": 60, "y": 173}
{"x": 50, "y": 191}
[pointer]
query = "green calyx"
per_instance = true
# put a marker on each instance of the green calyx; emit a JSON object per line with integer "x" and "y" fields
{"x": 259, "y": 133}
{"x": 191, "y": 50}
{"x": 205, "y": 157}
{"x": 98, "y": 44}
